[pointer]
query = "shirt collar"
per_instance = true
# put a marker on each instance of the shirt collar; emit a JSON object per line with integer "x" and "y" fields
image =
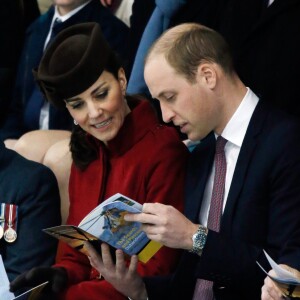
{"x": 236, "y": 128}
{"x": 69, "y": 14}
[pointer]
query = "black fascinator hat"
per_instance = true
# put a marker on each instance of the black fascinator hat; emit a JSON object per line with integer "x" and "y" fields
{"x": 73, "y": 62}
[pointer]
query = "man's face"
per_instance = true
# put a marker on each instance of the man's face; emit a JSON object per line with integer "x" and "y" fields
{"x": 191, "y": 106}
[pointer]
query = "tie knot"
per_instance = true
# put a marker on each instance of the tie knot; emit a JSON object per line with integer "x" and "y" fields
{"x": 57, "y": 21}
{"x": 220, "y": 144}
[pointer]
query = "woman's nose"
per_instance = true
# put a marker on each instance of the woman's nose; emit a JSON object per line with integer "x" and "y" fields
{"x": 94, "y": 110}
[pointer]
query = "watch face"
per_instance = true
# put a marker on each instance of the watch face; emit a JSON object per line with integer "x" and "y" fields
{"x": 199, "y": 239}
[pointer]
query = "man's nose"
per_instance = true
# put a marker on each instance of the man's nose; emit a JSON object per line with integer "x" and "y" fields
{"x": 167, "y": 113}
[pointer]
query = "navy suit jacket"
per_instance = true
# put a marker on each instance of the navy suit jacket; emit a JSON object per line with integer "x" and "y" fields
{"x": 114, "y": 30}
{"x": 262, "y": 211}
{"x": 33, "y": 188}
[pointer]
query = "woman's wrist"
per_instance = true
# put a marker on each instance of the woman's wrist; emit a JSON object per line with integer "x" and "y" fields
{"x": 140, "y": 293}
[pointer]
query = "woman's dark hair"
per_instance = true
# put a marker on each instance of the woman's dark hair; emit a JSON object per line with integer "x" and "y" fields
{"x": 84, "y": 148}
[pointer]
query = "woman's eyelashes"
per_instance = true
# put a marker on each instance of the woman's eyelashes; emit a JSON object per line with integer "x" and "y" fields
{"x": 101, "y": 95}
{"x": 77, "y": 104}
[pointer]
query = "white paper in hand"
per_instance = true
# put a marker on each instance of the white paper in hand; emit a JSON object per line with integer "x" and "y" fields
{"x": 5, "y": 294}
{"x": 281, "y": 273}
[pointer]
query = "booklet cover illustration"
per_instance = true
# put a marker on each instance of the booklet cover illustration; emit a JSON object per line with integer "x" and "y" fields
{"x": 106, "y": 224}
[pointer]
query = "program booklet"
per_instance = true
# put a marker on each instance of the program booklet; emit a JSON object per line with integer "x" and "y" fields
{"x": 285, "y": 280}
{"x": 106, "y": 224}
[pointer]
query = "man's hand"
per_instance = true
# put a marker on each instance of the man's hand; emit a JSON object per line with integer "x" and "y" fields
{"x": 165, "y": 224}
{"x": 270, "y": 289}
{"x": 57, "y": 278}
{"x": 125, "y": 279}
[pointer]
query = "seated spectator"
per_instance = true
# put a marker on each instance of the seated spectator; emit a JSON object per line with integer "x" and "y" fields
{"x": 29, "y": 192}
{"x": 122, "y": 9}
{"x": 117, "y": 145}
{"x": 29, "y": 110}
{"x": 158, "y": 22}
{"x": 44, "y": 5}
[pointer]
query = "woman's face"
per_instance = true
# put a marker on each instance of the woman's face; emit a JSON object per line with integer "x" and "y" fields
{"x": 101, "y": 109}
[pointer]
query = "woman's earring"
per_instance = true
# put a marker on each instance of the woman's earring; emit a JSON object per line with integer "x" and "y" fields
{"x": 75, "y": 122}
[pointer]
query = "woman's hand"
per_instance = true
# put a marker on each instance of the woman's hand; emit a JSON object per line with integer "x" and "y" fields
{"x": 125, "y": 279}
{"x": 57, "y": 278}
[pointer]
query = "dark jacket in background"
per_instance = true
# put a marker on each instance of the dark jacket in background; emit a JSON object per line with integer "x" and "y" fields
{"x": 14, "y": 18}
{"x": 265, "y": 43}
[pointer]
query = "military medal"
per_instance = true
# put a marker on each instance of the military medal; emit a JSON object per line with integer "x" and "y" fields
{"x": 10, "y": 234}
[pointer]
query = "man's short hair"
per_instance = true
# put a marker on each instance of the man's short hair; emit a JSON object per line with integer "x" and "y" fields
{"x": 188, "y": 45}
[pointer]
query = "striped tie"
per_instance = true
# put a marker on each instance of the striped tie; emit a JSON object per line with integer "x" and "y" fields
{"x": 204, "y": 288}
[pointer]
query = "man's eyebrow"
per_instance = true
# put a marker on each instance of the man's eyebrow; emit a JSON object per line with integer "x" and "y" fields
{"x": 69, "y": 100}
{"x": 163, "y": 93}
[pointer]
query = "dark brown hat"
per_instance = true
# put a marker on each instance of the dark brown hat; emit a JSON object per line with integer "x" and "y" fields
{"x": 73, "y": 62}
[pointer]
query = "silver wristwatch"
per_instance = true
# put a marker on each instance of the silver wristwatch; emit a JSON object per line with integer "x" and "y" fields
{"x": 199, "y": 239}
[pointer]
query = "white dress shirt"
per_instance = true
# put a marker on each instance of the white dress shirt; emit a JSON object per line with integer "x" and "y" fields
{"x": 234, "y": 132}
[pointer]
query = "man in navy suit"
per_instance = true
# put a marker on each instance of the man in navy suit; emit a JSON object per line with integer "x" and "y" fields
{"x": 190, "y": 71}
{"x": 29, "y": 202}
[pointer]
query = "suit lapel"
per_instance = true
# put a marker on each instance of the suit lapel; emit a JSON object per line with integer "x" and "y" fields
{"x": 242, "y": 165}
{"x": 200, "y": 164}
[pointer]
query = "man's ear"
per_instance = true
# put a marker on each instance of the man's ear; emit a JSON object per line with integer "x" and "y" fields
{"x": 122, "y": 80}
{"x": 207, "y": 74}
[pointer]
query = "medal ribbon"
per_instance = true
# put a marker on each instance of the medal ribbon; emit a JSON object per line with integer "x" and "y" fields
{"x": 11, "y": 215}
{"x": 2, "y": 219}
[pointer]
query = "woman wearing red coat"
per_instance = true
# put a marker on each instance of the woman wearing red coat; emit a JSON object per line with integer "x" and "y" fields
{"x": 117, "y": 146}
